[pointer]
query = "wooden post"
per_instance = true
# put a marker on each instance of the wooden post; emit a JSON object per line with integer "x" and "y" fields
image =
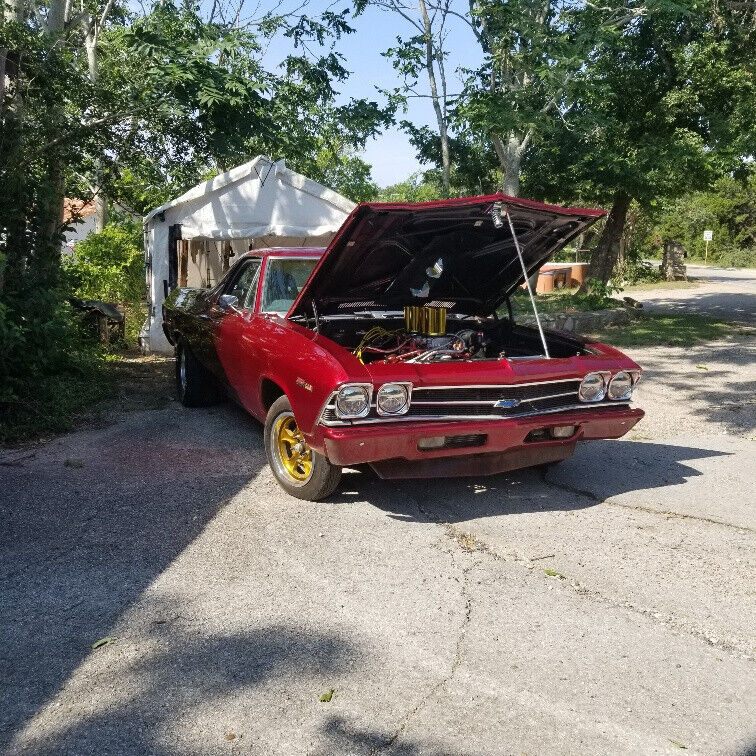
{"x": 102, "y": 324}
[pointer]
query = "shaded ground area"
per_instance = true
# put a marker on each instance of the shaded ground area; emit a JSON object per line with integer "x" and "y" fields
{"x": 605, "y": 606}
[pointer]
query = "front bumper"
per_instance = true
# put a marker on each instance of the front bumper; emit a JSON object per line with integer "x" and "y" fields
{"x": 392, "y": 449}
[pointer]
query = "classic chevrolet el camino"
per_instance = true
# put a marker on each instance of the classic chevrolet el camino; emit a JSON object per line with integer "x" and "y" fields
{"x": 396, "y": 346}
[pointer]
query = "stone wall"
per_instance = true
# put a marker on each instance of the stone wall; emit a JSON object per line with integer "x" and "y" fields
{"x": 581, "y": 322}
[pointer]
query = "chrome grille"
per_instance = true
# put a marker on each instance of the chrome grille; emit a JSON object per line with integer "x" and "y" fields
{"x": 491, "y": 394}
{"x": 479, "y": 402}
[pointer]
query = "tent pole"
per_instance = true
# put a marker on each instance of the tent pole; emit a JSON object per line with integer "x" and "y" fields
{"x": 527, "y": 283}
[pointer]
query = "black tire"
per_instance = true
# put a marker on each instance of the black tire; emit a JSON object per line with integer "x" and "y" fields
{"x": 318, "y": 479}
{"x": 195, "y": 386}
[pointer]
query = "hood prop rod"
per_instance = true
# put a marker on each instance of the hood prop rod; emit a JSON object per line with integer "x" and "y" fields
{"x": 527, "y": 283}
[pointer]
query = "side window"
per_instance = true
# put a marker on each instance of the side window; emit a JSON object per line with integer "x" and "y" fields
{"x": 244, "y": 285}
{"x": 284, "y": 279}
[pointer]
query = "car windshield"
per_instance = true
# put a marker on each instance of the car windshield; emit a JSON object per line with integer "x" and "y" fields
{"x": 284, "y": 279}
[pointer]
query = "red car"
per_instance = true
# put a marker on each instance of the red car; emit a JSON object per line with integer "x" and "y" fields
{"x": 396, "y": 347}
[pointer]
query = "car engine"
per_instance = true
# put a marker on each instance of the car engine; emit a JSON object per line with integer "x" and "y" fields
{"x": 423, "y": 339}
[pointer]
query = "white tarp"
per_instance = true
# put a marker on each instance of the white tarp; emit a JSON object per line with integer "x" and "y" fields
{"x": 260, "y": 203}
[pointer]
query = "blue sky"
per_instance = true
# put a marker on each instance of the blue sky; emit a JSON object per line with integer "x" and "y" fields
{"x": 391, "y": 155}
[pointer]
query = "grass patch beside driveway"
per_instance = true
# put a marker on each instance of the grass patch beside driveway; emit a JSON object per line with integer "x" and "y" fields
{"x": 672, "y": 329}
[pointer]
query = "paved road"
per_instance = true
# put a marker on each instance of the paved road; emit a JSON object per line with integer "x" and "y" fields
{"x": 607, "y": 606}
{"x": 728, "y": 293}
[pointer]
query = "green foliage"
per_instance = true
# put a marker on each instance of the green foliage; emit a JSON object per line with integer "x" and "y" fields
{"x": 563, "y": 301}
{"x": 473, "y": 160}
{"x": 49, "y": 369}
{"x": 414, "y": 189}
{"x": 201, "y": 101}
{"x": 108, "y": 266}
{"x": 174, "y": 97}
{"x": 631, "y": 271}
{"x": 728, "y": 209}
{"x": 659, "y": 108}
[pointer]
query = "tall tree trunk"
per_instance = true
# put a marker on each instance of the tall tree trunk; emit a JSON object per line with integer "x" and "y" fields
{"x": 510, "y": 158}
{"x": 12, "y": 214}
{"x": 604, "y": 256}
{"x": 93, "y": 65}
{"x": 47, "y": 255}
{"x": 441, "y": 118}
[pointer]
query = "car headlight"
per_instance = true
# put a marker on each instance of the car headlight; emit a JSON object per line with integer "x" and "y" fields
{"x": 592, "y": 388}
{"x": 393, "y": 398}
{"x": 621, "y": 386}
{"x": 353, "y": 400}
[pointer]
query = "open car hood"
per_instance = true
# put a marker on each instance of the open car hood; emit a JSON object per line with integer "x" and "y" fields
{"x": 449, "y": 253}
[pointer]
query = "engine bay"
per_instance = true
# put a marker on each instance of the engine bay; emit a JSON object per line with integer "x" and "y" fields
{"x": 426, "y": 334}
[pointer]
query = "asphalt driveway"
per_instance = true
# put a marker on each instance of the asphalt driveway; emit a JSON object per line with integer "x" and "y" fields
{"x": 725, "y": 293}
{"x": 606, "y": 606}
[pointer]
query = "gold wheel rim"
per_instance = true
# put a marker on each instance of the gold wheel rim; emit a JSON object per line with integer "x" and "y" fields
{"x": 293, "y": 451}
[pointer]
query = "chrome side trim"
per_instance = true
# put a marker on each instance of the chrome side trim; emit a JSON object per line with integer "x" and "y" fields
{"x": 455, "y": 418}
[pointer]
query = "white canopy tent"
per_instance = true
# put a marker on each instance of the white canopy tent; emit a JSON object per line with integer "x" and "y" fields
{"x": 190, "y": 240}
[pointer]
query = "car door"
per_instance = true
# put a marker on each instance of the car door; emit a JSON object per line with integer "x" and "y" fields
{"x": 234, "y": 321}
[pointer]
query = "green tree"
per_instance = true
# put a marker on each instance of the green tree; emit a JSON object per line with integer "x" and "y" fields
{"x": 532, "y": 50}
{"x": 728, "y": 209}
{"x": 661, "y": 109}
{"x": 175, "y": 95}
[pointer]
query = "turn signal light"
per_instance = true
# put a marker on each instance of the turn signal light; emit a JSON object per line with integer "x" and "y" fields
{"x": 431, "y": 442}
{"x": 563, "y": 431}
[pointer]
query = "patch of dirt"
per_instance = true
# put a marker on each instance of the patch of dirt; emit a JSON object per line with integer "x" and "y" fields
{"x": 142, "y": 382}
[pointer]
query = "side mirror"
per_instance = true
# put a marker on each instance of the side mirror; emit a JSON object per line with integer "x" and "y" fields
{"x": 228, "y": 302}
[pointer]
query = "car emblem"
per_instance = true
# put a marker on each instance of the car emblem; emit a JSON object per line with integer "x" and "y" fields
{"x": 507, "y": 403}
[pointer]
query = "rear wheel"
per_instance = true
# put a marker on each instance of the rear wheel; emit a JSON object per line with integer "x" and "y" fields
{"x": 300, "y": 470}
{"x": 195, "y": 386}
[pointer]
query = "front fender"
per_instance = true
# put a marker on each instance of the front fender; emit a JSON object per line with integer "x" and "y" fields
{"x": 308, "y": 367}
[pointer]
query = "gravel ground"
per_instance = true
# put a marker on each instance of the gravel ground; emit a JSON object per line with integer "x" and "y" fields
{"x": 606, "y": 606}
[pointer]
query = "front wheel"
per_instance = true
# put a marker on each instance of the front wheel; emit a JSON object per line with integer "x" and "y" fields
{"x": 299, "y": 470}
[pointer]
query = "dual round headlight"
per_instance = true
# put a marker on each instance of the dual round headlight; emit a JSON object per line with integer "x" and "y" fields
{"x": 592, "y": 388}
{"x": 393, "y": 399}
{"x": 595, "y": 386}
{"x": 353, "y": 400}
{"x": 621, "y": 386}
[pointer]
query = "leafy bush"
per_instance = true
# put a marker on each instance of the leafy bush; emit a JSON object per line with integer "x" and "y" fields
{"x": 635, "y": 271}
{"x": 107, "y": 266}
{"x": 49, "y": 369}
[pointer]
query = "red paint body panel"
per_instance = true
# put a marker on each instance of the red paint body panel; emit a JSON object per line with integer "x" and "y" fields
{"x": 360, "y": 444}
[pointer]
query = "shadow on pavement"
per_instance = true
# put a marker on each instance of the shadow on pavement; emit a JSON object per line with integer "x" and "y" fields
{"x": 89, "y": 521}
{"x": 598, "y": 471}
{"x": 345, "y": 739}
{"x": 92, "y": 520}
{"x": 188, "y": 675}
{"x": 724, "y": 305}
{"x": 730, "y": 402}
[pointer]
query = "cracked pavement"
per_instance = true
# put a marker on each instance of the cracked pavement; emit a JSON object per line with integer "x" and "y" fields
{"x": 603, "y": 606}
